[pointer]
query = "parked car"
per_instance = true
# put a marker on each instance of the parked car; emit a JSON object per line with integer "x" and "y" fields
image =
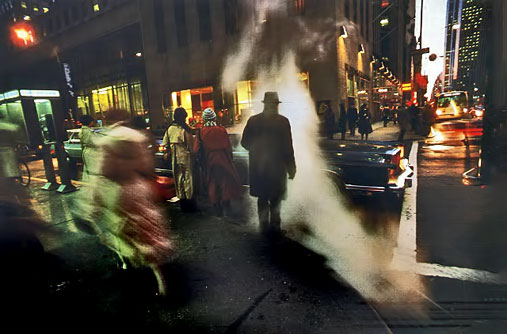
{"x": 369, "y": 168}
{"x": 360, "y": 168}
{"x": 74, "y": 151}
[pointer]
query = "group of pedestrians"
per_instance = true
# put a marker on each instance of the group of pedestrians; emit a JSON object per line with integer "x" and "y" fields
{"x": 117, "y": 201}
{"x": 349, "y": 118}
{"x": 202, "y": 156}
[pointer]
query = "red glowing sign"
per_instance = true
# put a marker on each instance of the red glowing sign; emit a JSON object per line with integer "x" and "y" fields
{"x": 22, "y": 34}
{"x": 384, "y": 3}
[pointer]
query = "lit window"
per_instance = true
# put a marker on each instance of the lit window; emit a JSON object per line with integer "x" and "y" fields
{"x": 26, "y": 18}
{"x": 384, "y": 22}
{"x": 35, "y": 8}
{"x": 23, "y": 4}
{"x": 45, "y": 9}
{"x": 96, "y": 7}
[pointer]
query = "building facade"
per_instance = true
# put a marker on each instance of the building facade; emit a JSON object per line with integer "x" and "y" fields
{"x": 151, "y": 56}
{"x": 465, "y": 46}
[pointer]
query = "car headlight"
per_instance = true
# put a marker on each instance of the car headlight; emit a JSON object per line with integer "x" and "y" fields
{"x": 439, "y": 112}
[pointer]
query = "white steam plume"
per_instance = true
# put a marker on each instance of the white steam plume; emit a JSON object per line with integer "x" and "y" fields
{"x": 335, "y": 232}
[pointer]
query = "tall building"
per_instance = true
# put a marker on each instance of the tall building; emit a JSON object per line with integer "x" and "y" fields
{"x": 465, "y": 46}
{"x": 393, "y": 29}
{"x": 150, "y": 57}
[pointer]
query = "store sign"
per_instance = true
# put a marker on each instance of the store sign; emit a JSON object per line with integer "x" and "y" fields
{"x": 39, "y": 93}
{"x": 383, "y": 90}
{"x": 68, "y": 79}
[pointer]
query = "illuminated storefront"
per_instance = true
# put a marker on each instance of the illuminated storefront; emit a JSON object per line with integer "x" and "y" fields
{"x": 358, "y": 85}
{"x": 194, "y": 101}
{"x": 243, "y": 97}
{"x": 120, "y": 96}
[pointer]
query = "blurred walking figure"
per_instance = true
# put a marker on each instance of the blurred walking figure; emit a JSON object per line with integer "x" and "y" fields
{"x": 352, "y": 118}
{"x": 404, "y": 122}
{"x": 87, "y": 138}
{"x": 364, "y": 125}
{"x": 329, "y": 121}
{"x": 10, "y": 174}
{"x": 267, "y": 136}
{"x": 219, "y": 173}
{"x": 119, "y": 202}
{"x": 342, "y": 120}
{"x": 179, "y": 139}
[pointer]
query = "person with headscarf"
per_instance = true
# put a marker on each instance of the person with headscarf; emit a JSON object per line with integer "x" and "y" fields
{"x": 219, "y": 174}
{"x": 179, "y": 139}
{"x": 268, "y": 139}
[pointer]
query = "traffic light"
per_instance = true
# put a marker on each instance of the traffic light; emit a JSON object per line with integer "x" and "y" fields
{"x": 22, "y": 34}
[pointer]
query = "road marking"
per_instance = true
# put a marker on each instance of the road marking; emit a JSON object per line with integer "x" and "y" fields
{"x": 404, "y": 257}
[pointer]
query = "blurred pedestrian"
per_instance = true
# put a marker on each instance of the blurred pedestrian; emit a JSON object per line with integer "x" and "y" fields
{"x": 342, "y": 120}
{"x": 364, "y": 125}
{"x": 267, "y": 136}
{"x": 179, "y": 139}
{"x": 404, "y": 122}
{"x": 87, "y": 139}
{"x": 139, "y": 123}
{"x": 219, "y": 174}
{"x": 352, "y": 118}
{"x": 413, "y": 112}
{"x": 329, "y": 121}
{"x": 10, "y": 174}
{"x": 120, "y": 203}
{"x": 386, "y": 115}
{"x": 428, "y": 119}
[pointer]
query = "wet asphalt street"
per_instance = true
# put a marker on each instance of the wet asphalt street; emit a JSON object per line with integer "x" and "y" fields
{"x": 226, "y": 278}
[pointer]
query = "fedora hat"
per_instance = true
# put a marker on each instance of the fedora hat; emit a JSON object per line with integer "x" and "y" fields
{"x": 271, "y": 97}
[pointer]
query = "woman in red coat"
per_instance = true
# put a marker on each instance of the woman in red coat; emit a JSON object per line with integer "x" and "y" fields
{"x": 220, "y": 175}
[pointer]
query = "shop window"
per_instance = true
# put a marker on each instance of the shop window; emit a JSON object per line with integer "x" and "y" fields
{"x": 137, "y": 98}
{"x": 83, "y": 105}
{"x": 350, "y": 85}
{"x": 118, "y": 96}
{"x": 194, "y": 100}
{"x": 244, "y": 93}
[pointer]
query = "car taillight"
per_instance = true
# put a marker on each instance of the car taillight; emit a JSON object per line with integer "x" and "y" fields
{"x": 392, "y": 175}
{"x": 396, "y": 159}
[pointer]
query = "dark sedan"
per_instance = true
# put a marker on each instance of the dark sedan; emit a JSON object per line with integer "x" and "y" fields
{"x": 360, "y": 168}
{"x": 369, "y": 168}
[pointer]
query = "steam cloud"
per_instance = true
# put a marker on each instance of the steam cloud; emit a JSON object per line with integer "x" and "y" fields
{"x": 359, "y": 258}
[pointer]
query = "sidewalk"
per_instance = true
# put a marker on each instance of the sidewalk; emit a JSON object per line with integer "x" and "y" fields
{"x": 224, "y": 277}
{"x": 381, "y": 133}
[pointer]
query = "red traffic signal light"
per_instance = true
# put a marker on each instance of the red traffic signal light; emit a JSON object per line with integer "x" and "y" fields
{"x": 22, "y": 34}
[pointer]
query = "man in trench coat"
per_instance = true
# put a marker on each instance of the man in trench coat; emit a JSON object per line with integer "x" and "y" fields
{"x": 267, "y": 136}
